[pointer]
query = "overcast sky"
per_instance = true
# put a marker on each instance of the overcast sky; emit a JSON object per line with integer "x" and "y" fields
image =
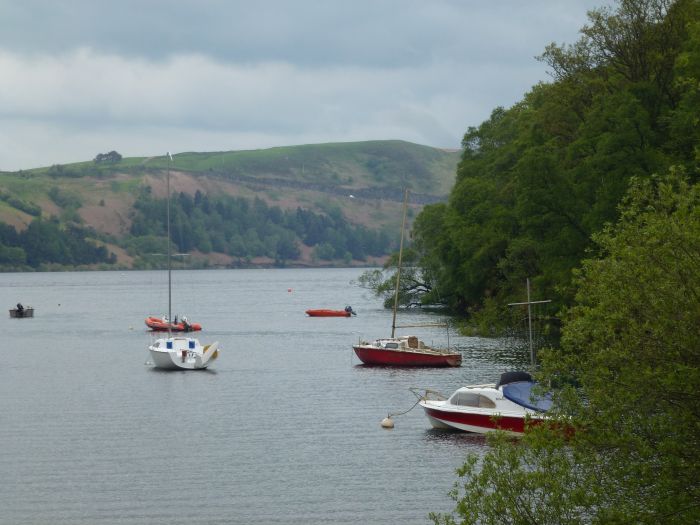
{"x": 142, "y": 77}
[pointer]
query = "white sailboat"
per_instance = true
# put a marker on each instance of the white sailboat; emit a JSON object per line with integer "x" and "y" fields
{"x": 179, "y": 352}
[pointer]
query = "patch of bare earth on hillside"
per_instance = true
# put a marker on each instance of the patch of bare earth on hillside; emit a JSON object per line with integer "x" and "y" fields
{"x": 17, "y": 219}
{"x": 112, "y": 218}
{"x": 181, "y": 182}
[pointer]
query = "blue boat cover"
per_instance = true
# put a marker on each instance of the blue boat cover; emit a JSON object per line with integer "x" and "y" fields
{"x": 521, "y": 393}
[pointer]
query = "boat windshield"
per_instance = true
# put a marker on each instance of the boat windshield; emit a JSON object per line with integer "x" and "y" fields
{"x": 521, "y": 393}
{"x": 471, "y": 399}
{"x": 391, "y": 345}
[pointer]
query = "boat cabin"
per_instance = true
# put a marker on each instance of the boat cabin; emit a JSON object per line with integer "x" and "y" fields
{"x": 401, "y": 343}
{"x": 463, "y": 397}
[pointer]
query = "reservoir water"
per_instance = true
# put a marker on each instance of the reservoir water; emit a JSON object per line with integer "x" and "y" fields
{"x": 284, "y": 429}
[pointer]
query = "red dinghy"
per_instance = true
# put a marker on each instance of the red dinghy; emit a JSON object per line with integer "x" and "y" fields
{"x": 161, "y": 324}
{"x": 323, "y": 312}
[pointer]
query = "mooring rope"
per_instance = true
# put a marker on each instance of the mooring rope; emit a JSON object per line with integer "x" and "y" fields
{"x": 415, "y": 392}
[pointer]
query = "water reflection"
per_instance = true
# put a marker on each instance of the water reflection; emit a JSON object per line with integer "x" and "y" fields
{"x": 456, "y": 438}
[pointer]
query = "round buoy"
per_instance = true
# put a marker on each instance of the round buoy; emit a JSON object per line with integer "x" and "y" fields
{"x": 387, "y": 422}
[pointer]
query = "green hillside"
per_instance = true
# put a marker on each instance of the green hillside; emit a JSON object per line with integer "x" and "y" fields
{"x": 358, "y": 185}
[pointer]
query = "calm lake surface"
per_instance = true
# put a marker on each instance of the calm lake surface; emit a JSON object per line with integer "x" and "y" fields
{"x": 284, "y": 429}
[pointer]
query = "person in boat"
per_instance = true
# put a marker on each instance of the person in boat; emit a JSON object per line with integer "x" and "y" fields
{"x": 349, "y": 310}
{"x": 186, "y": 324}
{"x": 20, "y": 307}
{"x": 175, "y": 322}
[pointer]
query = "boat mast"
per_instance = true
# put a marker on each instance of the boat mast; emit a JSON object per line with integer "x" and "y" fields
{"x": 529, "y": 318}
{"x": 398, "y": 270}
{"x": 167, "y": 184}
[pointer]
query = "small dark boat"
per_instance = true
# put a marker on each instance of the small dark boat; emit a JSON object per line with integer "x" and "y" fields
{"x": 324, "y": 312}
{"x": 21, "y": 312}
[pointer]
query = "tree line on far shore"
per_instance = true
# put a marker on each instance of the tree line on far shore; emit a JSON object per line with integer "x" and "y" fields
{"x": 236, "y": 226}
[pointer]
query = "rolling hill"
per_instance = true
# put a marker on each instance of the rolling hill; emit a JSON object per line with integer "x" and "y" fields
{"x": 360, "y": 181}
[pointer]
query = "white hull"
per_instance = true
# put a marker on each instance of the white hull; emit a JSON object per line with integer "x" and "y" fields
{"x": 182, "y": 353}
{"x": 508, "y": 406}
{"x": 510, "y": 423}
{"x": 436, "y": 423}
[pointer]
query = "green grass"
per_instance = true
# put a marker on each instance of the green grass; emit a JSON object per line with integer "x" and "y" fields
{"x": 318, "y": 176}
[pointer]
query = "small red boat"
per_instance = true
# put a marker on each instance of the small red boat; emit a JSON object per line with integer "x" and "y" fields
{"x": 331, "y": 313}
{"x": 405, "y": 351}
{"x": 161, "y": 324}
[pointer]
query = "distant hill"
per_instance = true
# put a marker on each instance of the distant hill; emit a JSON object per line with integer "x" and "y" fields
{"x": 360, "y": 181}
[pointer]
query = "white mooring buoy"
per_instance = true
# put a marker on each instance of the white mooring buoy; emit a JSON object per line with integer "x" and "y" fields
{"x": 387, "y": 422}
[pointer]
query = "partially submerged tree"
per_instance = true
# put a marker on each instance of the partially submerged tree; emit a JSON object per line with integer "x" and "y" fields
{"x": 415, "y": 286}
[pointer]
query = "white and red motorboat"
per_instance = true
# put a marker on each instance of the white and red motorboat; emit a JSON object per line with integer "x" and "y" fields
{"x": 509, "y": 405}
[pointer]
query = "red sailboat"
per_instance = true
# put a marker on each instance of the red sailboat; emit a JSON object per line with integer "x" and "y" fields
{"x": 406, "y": 350}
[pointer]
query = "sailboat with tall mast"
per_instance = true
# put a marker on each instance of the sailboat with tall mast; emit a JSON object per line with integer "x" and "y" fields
{"x": 179, "y": 352}
{"x": 404, "y": 350}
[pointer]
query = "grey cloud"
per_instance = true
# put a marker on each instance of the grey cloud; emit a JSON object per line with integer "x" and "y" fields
{"x": 81, "y": 76}
{"x": 385, "y": 33}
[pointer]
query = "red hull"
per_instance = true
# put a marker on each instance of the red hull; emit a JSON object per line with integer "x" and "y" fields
{"x": 484, "y": 421}
{"x": 328, "y": 313}
{"x": 158, "y": 325}
{"x": 388, "y": 357}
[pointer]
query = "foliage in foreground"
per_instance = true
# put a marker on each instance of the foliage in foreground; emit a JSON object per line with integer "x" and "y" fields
{"x": 630, "y": 345}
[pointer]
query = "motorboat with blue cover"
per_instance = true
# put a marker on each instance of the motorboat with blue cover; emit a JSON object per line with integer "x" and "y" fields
{"x": 509, "y": 405}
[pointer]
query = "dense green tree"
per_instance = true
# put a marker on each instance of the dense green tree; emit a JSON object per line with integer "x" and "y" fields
{"x": 628, "y": 376}
{"x": 12, "y": 256}
{"x": 47, "y": 242}
{"x": 537, "y": 180}
{"x": 244, "y": 228}
{"x": 110, "y": 157}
